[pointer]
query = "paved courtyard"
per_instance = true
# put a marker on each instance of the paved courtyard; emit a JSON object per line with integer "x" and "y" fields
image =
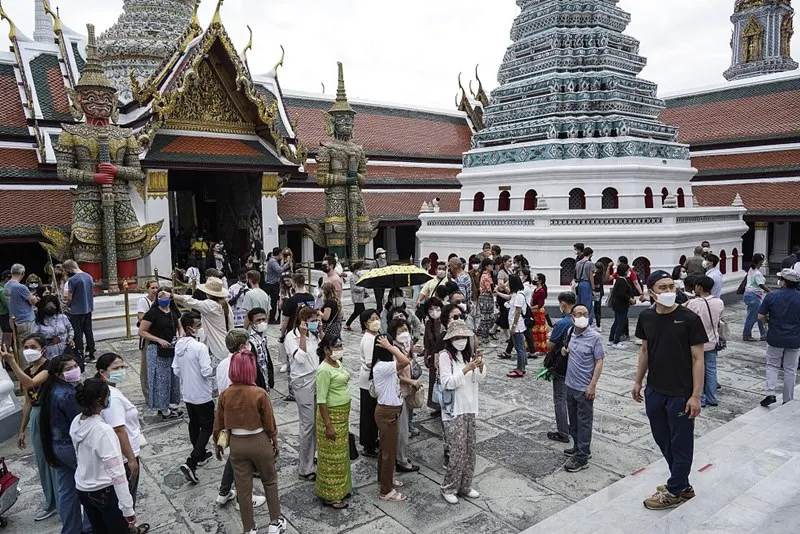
{"x": 518, "y": 470}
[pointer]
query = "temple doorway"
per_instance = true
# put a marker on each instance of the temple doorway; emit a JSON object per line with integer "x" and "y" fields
{"x": 219, "y": 207}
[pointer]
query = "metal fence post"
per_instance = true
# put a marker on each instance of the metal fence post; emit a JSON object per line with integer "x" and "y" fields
{"x": 127, "y": 310}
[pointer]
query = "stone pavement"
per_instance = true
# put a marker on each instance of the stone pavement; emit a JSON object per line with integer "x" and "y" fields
{"x": 518, "y": 471}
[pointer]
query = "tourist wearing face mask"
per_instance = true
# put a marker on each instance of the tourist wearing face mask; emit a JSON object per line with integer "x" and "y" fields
{"x": 367, "y": 427}
{"x": 380, "y": 261}
{"x": 100, "y": 475}
{"x": 54, "y": 326}
{"x": 123, "y": 417}
{"x": 460, "y": 373}
{"x": 333, "y": 483}
{"x": 585, "y": 353}
{"x": 486, "y": 301}
{"x": 396, "y": 307}
{"x": 31, "y": 378}
{"x": 257, "y": 317}
{"x": 433, "y": 329}
{"x": 428, "y": 290}
{"x": 301, "y": 347}
{"x": 672, "y": 359}
{"x": 192, "y": 365}
{"x": 160, "y": 326}
{"x": 401, "y": 338}
{"x": 60, "y": 406}
{"x": 143, "y": 305}
{"x": 357, "y": 294}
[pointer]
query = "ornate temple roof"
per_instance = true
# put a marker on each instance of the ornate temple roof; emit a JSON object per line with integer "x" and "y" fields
{"x": 147, "y": 32}
{"x": 571, "y": 73}
{"x": 761, "y": 40}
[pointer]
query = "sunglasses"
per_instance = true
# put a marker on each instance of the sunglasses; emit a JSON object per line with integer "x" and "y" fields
{"x": 456, "y": 317}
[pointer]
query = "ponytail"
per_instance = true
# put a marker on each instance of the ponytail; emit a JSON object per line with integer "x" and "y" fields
{"x": 89, "y": 393}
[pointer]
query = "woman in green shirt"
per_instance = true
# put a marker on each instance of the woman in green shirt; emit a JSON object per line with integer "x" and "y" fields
{"x": 334, "y": 483}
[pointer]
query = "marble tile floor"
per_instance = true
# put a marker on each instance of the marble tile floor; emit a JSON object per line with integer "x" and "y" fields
{"x": 519, "y": 471}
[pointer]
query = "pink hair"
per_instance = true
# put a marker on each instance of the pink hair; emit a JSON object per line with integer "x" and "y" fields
{"x": 243, "y": 368}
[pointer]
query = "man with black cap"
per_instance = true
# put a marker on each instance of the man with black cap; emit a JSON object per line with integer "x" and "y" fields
{"x": 672, "y": 358}
{"x": 781, "y": 309}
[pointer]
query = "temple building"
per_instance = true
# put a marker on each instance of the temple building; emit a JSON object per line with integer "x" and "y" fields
{"x": 573, "y": 150}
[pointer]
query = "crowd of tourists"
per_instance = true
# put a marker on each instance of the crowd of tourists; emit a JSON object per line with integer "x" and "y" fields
{"x": 208, "y": 353}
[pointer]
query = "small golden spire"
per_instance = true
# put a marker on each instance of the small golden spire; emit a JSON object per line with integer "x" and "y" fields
{"x": 56, "y": 18}
{"x": 341, "y": 105}
{"x": 12, "y": 28}
{"x": 195, "y": 18}
{"x": 217, "y": 19}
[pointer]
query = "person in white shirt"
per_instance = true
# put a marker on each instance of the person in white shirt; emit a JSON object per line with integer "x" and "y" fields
{"x": 192, "y": 365}
{"x": 387, "y": 363}
{"x": 122, "y": 416}
{"x": 216, "y": 313}
{"x": 460, "y": 372}
{"x": 236, "y": 296}
{"x": 143, "y": 305}
{"x": 100, "y": 475}
{"x": 367, "y": 428}
{"x": 517, "y": 308}
{"x": 301, "y": 347}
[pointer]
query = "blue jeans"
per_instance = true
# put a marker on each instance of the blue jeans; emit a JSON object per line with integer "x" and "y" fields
{"x": 519, "y": 346}
{"x": 618, "y": 328}
{"x": 69, "y": 507}
{"x": 709, "y": 395}
{"x": 584, "y": 295}
{"x": 673, "y": 432}
{"x": 581, "y": 416}
{"x": 753, "y": 302}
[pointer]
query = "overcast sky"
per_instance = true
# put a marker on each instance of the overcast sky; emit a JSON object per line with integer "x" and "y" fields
{"x": 411, "y": 51}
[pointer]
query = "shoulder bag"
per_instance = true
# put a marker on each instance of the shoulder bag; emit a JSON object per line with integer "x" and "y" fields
{"x": 416, "y": 399}
{"x": 555, "y": 361}
{"x": 722, "y": 343}
{"x": 416, "y": 369}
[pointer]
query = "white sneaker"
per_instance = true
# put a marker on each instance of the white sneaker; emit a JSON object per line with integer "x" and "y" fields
{"x": 283, "y": 368}
{"x": 638, "y": 341}
{"x": 258, "y": 500}
{"x": 452, "y": 499}
{"x": 598, "y": 329}
{"x": 472, "y": 494}
{"x": 280, "y": 528}
{"x": 609, "y": 343}
{"x": 619, "y": 346}
{"x": 225, "y": 499}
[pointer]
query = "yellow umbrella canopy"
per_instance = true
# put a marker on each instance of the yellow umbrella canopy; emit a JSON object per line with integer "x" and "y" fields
{"x": 394, "y": 276}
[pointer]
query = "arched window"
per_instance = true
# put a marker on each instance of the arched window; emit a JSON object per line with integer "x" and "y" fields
{"x": 504, "y": 202}
{"x": 567, "y": 271}
{"x": 478, "y": 202}
{"x": 723, "y": 262}
{"x": 681, "y": 198}
{"x": 735, "y": 260}
{"x": 531, "y": 202}
{"x": 664, "y": 195}
{"x": 642, "y": 267}
{"x": 577, "y": 199}
{"x": 648, "y": 198}
{"x": 610, "y": 198}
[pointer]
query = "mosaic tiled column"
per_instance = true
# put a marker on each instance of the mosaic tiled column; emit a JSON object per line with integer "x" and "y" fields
{"x": 157, "y": 208}
{"x": 760, "y": 242}
{"x": 270, "y": 221}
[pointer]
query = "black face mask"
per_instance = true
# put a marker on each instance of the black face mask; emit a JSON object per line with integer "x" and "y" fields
{"x": 49, "y": 312}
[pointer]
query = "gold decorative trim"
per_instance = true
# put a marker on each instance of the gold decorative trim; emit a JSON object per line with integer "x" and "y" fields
{"x": 270, "y": 185}
{"x": 157, "y": 184}
{"x": 761, "y": 226}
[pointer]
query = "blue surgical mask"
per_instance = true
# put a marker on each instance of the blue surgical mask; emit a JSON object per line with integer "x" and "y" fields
{"x": 164, "y": 302}
{"x": 313, "y": 327}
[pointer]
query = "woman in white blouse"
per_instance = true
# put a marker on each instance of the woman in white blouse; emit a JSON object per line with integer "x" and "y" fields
{"x": 367, "y": 428}
{"x": 143, "y": 305}
{"x": 301, "y": 346}
{"x": 459, "y": 373}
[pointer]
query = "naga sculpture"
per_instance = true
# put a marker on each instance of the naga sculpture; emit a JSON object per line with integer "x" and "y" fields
{"x": 102, "y": 159}
{"x": 342, "y": 170}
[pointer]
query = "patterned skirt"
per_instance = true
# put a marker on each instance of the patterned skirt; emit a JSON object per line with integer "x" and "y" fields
{"x": 540, "y": 332}
{"x": 164, "y": 388}
{"x": 486, "y": 313}
{"x": 333, "y": 456}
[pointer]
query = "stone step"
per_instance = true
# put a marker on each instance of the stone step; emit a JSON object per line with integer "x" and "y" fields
{"x": 747, "y": 511}
{"x": 622, "y": 501}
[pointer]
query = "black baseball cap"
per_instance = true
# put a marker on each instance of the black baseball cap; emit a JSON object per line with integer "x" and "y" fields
{"x": 655, "y": 276}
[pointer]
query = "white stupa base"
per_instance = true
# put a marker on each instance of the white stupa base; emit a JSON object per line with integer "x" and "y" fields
{"x": 545, "y": 238}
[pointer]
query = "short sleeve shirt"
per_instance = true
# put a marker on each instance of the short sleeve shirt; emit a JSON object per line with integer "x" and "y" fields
{"x": 33, "y": 393}
{"x": 584, "y": 350}
{"x": 162, "y": 325}
{"x": 517, "y": 301}
{"x": 18, "y": 305}
{"x": 332, "y": 385}
{"x": 560, "y": 330}
{"x": 670, "y": 338}
{"x": 387, "y": 383}
{"x": 121, "y": 412}
{"x": 256, "y": 298}
{"x": 81, "y": 285}
{"x": 783, "y": 309}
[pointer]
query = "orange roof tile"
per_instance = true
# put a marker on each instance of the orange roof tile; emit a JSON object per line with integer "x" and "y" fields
{"x": 756, "y": 160}
{"x": 295, "y": 206}
{"x": 17, "y": 215}
{"x": 16, "y": 158}
{"x": 55, "y": 80}
{"x": 210, "y": 145}
{"x": 764, "y": 196}
{"x": 11, "y": 113}
{"x": 400, "y": 174}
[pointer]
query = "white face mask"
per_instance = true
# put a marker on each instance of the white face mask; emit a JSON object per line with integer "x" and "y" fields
{"x": 581, "y": 322}
{"x": 374, "y": 326}
{"x": 706, "y": 264}
{"x": 462, "y": 307}
{"x": 337, "y": 355}
{"x": 666, "y": 299}
{"x": 260, "y": 327}
{"x": 440, "y": 274}
{"x": 476, "y": 266}
{"x": 31, "y": 355}
{"x": 684, "y": 274}
{"x": 404, "y": 338}
{"x": 435, "y": 314}
{"x": 200, "y": 335}
{"x": 460, "y": 344}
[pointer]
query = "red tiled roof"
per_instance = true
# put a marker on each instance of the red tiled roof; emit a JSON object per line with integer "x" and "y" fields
{"x": 55, "y": 80}
{"x": 16, "y": 158}
{"x": 210, "y": 146}
{"x": 759, "y": 116}
{"x": 11, "y": 114}
{"x": 764, "y": 196}
{"x": 388, "y": 132}
{"x": 296, "y": 205}
{"x": 756, "y": 160}
{"x": 399, "y": 174}
{"x": 19, "y": 212}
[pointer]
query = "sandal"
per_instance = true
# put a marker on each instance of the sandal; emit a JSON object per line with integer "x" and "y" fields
{"x": 144, "y": 528}
{"x": 337, "y": 505}
{"x": 393, "y": 496}
{"x": 311, "y": 477}
{"x": 515, "y": 373}
{"x": 398, "y": 483}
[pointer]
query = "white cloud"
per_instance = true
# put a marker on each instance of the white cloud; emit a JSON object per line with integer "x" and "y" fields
{"x": 412, "y": 51}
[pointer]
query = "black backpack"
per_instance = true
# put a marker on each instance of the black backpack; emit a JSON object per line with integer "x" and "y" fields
{"x": 555, "y": 361}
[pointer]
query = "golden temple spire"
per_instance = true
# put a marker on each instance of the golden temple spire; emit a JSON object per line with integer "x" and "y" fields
{"x": 341, "y": 105}
{"x": 217, "y": 18}
{"x": 93, "y": 75}
{"x": 480, "y": 96}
